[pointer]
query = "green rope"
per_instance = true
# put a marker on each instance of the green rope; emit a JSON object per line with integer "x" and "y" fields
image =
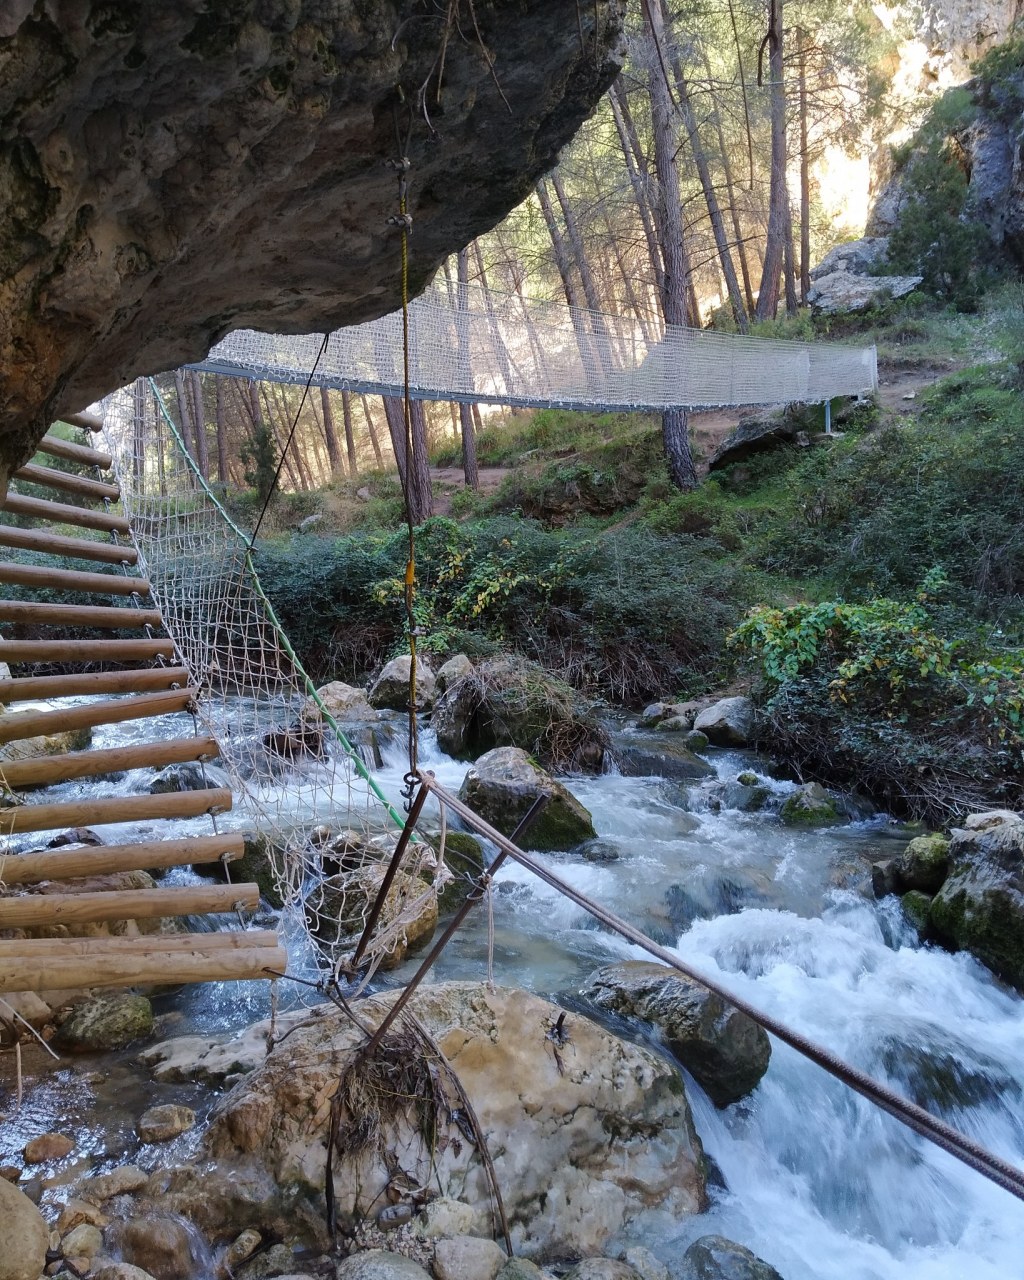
{"x": 275, "y": 622}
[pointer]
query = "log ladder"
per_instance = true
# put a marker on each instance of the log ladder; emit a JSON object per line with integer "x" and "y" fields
{"x": 149, "y": 682}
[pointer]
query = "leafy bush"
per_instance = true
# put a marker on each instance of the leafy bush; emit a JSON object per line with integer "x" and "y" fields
{"x": 879, "y": 696}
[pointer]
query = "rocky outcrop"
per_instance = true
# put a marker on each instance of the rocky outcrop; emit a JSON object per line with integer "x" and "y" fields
{"x": 585, "y": 1131}
{"x": 726, "y": 1051}
{"x": 169, "y": 172}
{"x": 760, "y": 434}
{"x": 980, "y": 907}
{"x": 505, "y": 782}
{"x": 842, "y": 291}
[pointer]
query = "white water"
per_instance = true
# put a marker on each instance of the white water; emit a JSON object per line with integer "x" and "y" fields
{"x": 816, "y": 1181}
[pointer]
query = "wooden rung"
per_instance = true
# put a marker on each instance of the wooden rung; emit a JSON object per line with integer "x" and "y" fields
{"x": 87, "y": 421}
{"x": 95, "y": 813}
{"x": 181, "y": 943}
{"x": 20, "y": 504}
{"x": 64, "y": 480}
{"x": 30, "y": 910}
{"x": 53, "y": 544}
{"x": 78, "y": 615}
{"x": 76, "y": 651}
{"x": 44, "y": 770}
{"x": 107, "y": 859}
{"x": 50, "y": 579}
{"x": 155, "y": 967}
{"x": 137, "y": 680}
{"x": 58, "y": 448}
{"x": 29, "y": 724}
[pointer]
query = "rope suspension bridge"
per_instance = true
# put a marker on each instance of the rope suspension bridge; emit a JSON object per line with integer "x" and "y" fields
{"x": 474, "y": 346}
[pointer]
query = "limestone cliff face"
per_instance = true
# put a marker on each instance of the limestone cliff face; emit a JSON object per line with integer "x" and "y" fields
{"x": 173, "y": 169}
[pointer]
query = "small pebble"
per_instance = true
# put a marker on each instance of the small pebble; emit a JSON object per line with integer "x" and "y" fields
{"x": 10, "y": 1172}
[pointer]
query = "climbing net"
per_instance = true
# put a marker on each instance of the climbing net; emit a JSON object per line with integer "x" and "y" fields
{"x": 470, "y": 344}
{"x": 326, "y": 825}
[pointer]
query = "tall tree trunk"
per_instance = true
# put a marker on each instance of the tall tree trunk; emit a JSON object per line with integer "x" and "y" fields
{"x": 284, "y": 455}
{"x": 778, "y": 198}
{"x": 805, "y": 173}
{"x": 707, "y": 186}
{"x": 330, "y": 435}
{"x": 478, "y": 422}
{"x": 414, "y": 472}
{"x": 505, "y": 361}
{"x": 199, "y": 423}
{"x": 579, "y": 253}
{"x": 295, "y": 452}
{"x": 371, "y": 431}
{"x": 139, "y": 434}
{"x": 158, "y": 437}
{"x": 465, "y": 413}
{"x": 563, "y": 261}
{"x": 350, "y": 440}
{"x": 184, "y": 412}
{"x": 788, "y": 265}
{"x": 222, "y": 432}
{"x": 639, "y": 178}
{"x": 674, "y": 425}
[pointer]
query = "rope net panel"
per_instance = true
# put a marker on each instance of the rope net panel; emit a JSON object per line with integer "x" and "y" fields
{"x": 503, "y": 349}
{"x": 326, "y": 826}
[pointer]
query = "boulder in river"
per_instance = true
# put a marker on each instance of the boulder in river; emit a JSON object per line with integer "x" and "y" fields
{"x": 337, "y": 908}
{"x": 730, "y": 722}
{"x": 165, "y": 1246}
{"x": 980, "y": 907}
{"x": 456, "y": 668}
{"x": 505, "y": 782}
{"x": 810, "y": 805}
{"x": 647, "y": 754}
{"x": 924, "y": 863}
{"x": 585, "y": 1130}
{"x": 184, "y": 777}
{"x": 107, "y": 1022}
{"x": 726, "y": 1052}
{"x": 390, "y": 691}
{"x": 344, "y": 702}
{"x": 715, "y": 1258}
{"x": 24, "y": 1235}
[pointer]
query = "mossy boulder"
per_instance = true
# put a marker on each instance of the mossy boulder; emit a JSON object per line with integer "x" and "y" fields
{"x": 505, "y": 782}
{"x": 652, "y": 754}
{"x": 716, "y": 1258}
{"x": 255, "y": 866}
{"x": 337, "y": 908}
{"x": 106, "y": 1022}
{"x": 916, "y": 907}
{"x": 924, "y": 863}
{"x": 810, "y": 806}
{"x": 980, "y": 907}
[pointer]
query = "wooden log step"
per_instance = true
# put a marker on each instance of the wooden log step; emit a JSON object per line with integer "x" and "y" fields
{"x": 44, "y": 770}
{"x": 106, "y": 859}
{"x": 29, "y": 911}
{"x": 49, "y": 579}
{"x": 78, "y": 615}
{"x": 58, "y": 448}
{"x": 95, "y": 813}
{"x": 20, "y": 504}
{"x": 138, "y": 680}
{"x": 85, "y": 650}
{"x": 29, "y": 724}
{"x": 68, "y": 483}
{"x": 215, "y": 940}
{"x": 115, "y": 968}
{"x": 87, "y": 421}
{"x": 53, "y": 544}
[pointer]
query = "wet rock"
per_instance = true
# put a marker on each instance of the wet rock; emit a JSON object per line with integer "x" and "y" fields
{"x": 463, "y": 853}
{"x": 654, "y": 714}
{"x": 344, "y": 702}
{"x": 453, "y": 717}
{"x": 164, "y": 1122}
{"x": 599, "y": 851}
{"x": 78, "y": 1212}
{"x": 168, "y": 1248}
{"x": 51, "y": 744}
{"x": 730, "y": 722}
{"x": 190, "y": 776}
{"x": 715, "y": 1258}
{"x": 120, "y": 1271}
{"x": 257, "y": 865}
{"x": 883, "y": 877}
{"x": 710, "y": 892}
{"x": 467, "y": 1258}
{"x": 103, "y": 1023}
{"x": 736, "y": 795}
{"x": 577, "y": 1155}
{"x": 916, "y": 906}
{"x": 48, "y": 1146}
{"x": 654, "y": 755}
{"x": 503, "y": 784}
{"x": 457, "y": 668}
{"x": 520, "y": 1269}
{"x": 241, "y": 1250}
{"x": 445, "y": 1217}
{"x": 336, "y": 910}
{"x": 24, "y": 1236}
{"x": 675, "y": 724}
{"x": 645, "y": 1264}
{"x": 124, "y": 1180}
{"x": 299, "y": 741}
{"x": 810, "y": 806}
{"x": 725, "y": 1051}
{"x": 980, "y": 907}
{"x": 602, "y": 1269}
{"x": 924, "y": 863}
{"x": 696, "y": 740}
{"x": 278, "y": 1260}
{"x": 390, "y": 691}
{"x": 83, "y": 1241}
{"x": 376, "y": 1264}
{"x": 10, "y": 1172}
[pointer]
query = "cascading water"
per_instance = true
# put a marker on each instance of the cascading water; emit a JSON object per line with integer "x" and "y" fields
{"x": 812, "y": 1178}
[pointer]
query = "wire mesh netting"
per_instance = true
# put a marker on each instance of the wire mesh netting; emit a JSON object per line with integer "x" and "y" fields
{"x": 323, "y": 822}
{"x": 476, "y": 345}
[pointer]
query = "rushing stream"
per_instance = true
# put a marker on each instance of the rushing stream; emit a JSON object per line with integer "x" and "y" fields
{"x": 812, "y": 1178}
